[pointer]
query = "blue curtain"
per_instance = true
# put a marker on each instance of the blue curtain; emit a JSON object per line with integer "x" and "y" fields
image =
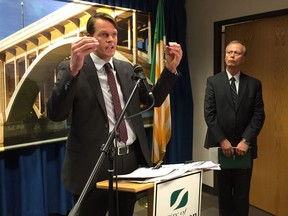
{"x": 30, "y": 181}
{"x": 30, "y": 177}
{"x": 179, "y": 148}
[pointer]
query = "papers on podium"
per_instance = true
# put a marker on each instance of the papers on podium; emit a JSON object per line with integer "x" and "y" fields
{"x": 165, "y": 172}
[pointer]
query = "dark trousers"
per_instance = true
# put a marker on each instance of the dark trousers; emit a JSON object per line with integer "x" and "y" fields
{"x": 233, "y": 189}
{"x": 96, "y": 202}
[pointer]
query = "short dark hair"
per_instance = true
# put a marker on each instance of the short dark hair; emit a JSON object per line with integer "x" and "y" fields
{"x": 90, "y": 27}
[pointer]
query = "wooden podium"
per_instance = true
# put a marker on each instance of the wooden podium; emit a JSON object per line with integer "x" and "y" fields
{"x": 133, "y": 188}
{"x": 162, "y": 195}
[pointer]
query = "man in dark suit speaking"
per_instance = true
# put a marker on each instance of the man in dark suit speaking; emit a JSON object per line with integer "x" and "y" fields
{"x": 234, "y": 113}
{"x": 94, "y": 93}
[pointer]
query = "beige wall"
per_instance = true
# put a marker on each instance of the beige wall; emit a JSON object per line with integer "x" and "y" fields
{"x": 201, "y": 16}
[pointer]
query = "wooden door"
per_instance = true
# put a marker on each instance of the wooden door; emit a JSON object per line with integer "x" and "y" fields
{"x": 267, "y": 59}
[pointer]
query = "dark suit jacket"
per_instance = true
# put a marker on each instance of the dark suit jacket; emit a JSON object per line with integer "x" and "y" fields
{"x": 226, "y": 122}
{"x": 83, "y": 98}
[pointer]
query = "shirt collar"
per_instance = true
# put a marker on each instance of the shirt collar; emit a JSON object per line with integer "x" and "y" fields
{"x": 237, "y": 76}
{"x": 99, "y": 63}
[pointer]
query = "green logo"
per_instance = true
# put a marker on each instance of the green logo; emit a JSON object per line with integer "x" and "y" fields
{"x": 175, "y": 196}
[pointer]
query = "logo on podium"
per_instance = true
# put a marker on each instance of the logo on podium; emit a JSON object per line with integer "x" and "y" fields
{"x": 179, "y": 199}
{"x": 172, "y": 199}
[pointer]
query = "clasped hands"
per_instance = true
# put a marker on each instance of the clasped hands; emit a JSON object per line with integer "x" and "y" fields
{"x": 227, "y": 149}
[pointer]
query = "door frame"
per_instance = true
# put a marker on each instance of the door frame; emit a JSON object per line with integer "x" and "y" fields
{"x": 219, "y": 26}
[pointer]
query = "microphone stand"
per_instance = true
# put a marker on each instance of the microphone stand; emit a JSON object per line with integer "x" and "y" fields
{"x": 105, "y": 150}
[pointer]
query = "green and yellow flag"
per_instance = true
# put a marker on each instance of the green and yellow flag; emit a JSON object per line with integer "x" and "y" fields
{"x": 162, "y": 115}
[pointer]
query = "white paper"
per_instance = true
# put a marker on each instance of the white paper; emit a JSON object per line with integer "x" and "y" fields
{"x": 168, "y": 171}
{"x": 144, "y": 172}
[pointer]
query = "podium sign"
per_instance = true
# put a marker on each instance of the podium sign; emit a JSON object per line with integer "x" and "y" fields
{"x": 179, "y": 196}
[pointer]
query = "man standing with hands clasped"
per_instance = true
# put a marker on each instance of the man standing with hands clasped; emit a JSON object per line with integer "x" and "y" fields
{"x": 234, "y": 114}
{"x": 94, "y": 93}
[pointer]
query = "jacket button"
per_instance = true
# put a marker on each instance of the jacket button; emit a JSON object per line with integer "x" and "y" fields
{"x": 66, "y": 85}
{"x": 106, "y": 125}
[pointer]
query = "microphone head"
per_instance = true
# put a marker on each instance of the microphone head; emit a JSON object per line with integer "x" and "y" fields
{"x": 139, "y": 71}
{"x": 138, "y": 68}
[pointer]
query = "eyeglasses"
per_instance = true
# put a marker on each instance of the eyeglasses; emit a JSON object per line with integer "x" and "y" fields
{"x": 236, "y": 53}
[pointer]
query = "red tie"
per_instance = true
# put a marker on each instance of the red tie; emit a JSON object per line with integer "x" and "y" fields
{"x": 116, "y": 102}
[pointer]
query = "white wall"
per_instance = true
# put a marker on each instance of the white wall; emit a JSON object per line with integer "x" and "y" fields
{"x": 201, "y": 15}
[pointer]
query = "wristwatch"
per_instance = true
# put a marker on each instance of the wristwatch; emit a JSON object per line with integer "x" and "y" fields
{"x": 246, "y": 141}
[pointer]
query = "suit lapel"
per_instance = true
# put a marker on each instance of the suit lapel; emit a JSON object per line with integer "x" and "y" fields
{"x": 91, "y": 74}
{"x": 227, "y": 87}
{"x": 124, "y": 78}
{"x": 242, "y": 88}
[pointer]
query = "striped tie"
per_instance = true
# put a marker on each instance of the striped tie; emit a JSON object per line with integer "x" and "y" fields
{"x": 234, "y": 91}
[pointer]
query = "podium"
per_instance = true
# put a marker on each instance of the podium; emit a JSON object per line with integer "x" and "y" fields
{"x": 176, "y": 196}
{"x": 133, "y": 188}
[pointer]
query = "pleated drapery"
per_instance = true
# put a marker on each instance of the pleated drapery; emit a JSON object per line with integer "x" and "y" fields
{"x": 30, "y": 181}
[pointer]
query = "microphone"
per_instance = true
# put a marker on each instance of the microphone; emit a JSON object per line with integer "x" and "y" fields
{"x": 140, "y": 72}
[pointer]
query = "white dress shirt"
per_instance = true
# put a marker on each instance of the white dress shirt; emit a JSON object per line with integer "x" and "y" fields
{"x": 237, "y": 79}
{"x": 99, "y": 63}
